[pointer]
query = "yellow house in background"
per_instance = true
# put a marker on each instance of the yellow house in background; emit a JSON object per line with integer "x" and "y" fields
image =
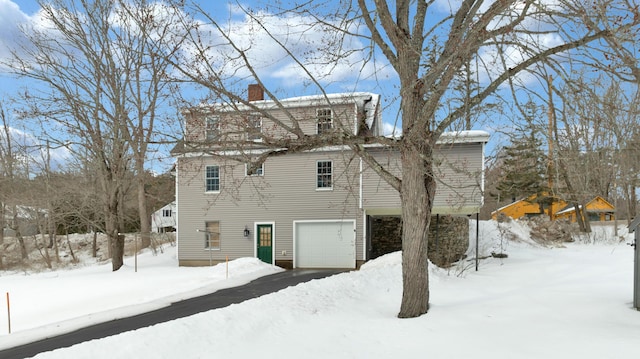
{"x": 598, "y": 209}
{"x": 527, "y": 207}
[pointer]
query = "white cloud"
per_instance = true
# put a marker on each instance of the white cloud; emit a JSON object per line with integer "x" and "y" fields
{"x": 272, "y": 42}
{"x": 539, "y": 34}
{"x": 391, "y": 130}
{"x": 320, "y": 49}
{"x": 15, "y": 26}
{"x": 10, "y": 19}
{"x": 28, "y": 148}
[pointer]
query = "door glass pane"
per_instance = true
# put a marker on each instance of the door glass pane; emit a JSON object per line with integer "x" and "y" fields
{"x": 265, "y": 236}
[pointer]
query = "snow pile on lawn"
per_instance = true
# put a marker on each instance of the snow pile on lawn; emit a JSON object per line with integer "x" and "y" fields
{"x": 70, "y": 251}
{"x": 572, "y": 302}
{"x": 48, "y": 303}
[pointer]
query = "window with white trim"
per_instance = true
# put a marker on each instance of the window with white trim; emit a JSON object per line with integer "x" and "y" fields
{"x": 212, "y": 128}
{"x": 212, "y": 235}
{"x": 166, "y": 213}
{"x": 324, "y": 175}
{"x": 254, "y": 127}
{"x": 324, "y": 120}
{"x": 212, "y": 179}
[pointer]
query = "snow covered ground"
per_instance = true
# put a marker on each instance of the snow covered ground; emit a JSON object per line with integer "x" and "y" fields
{"x": 571, "y": 302}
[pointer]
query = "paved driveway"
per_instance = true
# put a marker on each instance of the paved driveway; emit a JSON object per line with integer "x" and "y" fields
{"x": 219, "y": 299}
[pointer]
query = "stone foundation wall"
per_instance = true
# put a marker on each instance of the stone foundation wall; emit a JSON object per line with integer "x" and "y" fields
{"x": 447, "y": 246}
{"x": 386, "y": 235}
{"x": 451, "y": 241}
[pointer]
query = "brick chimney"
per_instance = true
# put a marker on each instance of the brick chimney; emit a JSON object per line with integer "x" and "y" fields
{"x": 256, "y": 93}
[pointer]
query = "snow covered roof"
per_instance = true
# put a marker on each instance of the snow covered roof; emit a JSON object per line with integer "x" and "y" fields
{"x": 473, "y": 136}
{"x": 568, "y": 209}
{"x": 24, "y": 212}
{"x": 300, "y": 101}
{"x": 367, "y": 101}
{"x": 634, "y": 225}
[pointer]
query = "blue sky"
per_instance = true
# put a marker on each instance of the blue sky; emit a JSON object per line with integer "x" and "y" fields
{"x": 352, "y": 73}
{"x": 283, "y": 77}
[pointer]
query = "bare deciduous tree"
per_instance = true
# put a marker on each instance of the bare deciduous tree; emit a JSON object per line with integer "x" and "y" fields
{"x": 13, "y": 175}
{"x": 101, "y": 78}
{"x": 623, "y": 65}
{"x": 595, "y": 126}
{"x": 82, "y": 93}
{"x": 427, "y": 47}
{"x": 148, "y": 43}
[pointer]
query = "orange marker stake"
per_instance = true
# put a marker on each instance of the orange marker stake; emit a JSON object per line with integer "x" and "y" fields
{"x": 8, "y": 313}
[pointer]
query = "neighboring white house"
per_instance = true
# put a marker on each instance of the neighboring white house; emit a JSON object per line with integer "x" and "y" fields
{"x": 309, "y": 209}
{"x": 25, "y": 219}
{"x": 164, "y": 219}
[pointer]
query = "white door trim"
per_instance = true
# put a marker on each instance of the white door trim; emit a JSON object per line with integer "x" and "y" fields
{"x": 273, "y": 240}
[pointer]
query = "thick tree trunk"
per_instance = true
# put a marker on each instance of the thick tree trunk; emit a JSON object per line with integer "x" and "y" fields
{"x": 23, "y": 247}
{"x": 585, "y": 216}
{"x": 2, "y": 222}
{"x": 145, "y": 222}
{"x": 416, "y": 193}
{"x": 120, "y": 212}
{"x": 117, "y": 248}
{"x": 16, "y": 227}
{"x": 580, "y": 217}
{"x": 2, "y": 225}
{"x": 74, "y": 259}
{"x": 632, "y": 202}
{"x": 94, "y": 247}
{"x": 117, "y": 260}
{"x": 112, "y": 224}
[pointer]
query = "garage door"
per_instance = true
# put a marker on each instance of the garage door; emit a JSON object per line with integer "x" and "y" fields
{"x": 325, "y": 244}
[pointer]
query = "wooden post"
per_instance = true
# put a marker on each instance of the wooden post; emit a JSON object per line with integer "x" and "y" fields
{"x": 8, "y": 313}
{"x": 477, "y": 237}
{"x": 550, "y": 166}
{"x": 634, "y": 227}
{"x": 636, "y": 273}
{"x": 227, "y": 267}
{"x": 135, "y": 252}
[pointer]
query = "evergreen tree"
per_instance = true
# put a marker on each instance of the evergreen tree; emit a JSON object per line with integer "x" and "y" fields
{"x": 524, "y": 163}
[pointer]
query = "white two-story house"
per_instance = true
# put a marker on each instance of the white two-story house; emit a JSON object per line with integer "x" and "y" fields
{"x": 164, "y": 219}
{"x": 306, "y": 208}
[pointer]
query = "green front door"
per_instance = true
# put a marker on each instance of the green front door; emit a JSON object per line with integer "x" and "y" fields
{"x": 264, "y": 242}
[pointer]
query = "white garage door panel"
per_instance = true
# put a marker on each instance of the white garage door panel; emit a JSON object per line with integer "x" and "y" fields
{"x": 325, "y": 244}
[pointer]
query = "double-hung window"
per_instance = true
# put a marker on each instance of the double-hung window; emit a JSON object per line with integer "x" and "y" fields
{"x": 212, "y": 235}
{"x": 324, "y": 175}
{"x": 212, "y": 179}
{"x": 254, "y": 127}
{"x": 166, "y": 213}
{"x": 212, "y": 128}
{"x": 324, "y": 120}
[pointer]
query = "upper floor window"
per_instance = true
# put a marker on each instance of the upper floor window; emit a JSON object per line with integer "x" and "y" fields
{"x": 166, "y": 213}
{"x": 324, "y": 175}
{"x": 254, "y": 127}
{"x": 212, "y": 128}
{"x": 212, "y": 179}
{"x": 251, "y": 169}
{"x": 324, "y": 120}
